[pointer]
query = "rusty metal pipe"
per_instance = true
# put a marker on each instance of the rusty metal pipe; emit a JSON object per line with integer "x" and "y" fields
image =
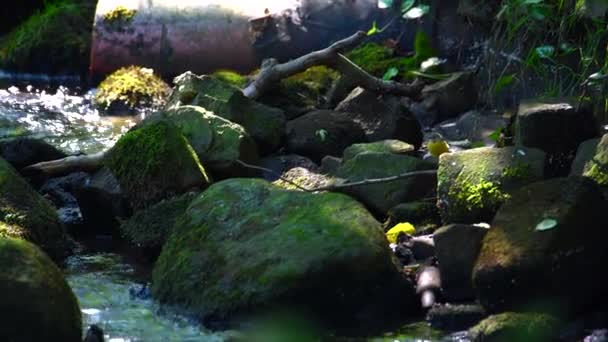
{"x": 206, "y": 35}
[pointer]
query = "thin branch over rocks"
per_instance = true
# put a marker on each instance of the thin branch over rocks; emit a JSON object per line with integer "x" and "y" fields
{"x": 272, "y": 72}
{"x": 339, "y": 186}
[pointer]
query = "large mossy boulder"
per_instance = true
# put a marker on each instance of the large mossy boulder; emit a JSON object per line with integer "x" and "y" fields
{"x": 218, "y": 142}
{"x": 473, "y": 184}
{"x": 27, "y": 215}
{"x": 129, "y": 88}
{"x": 382, "y": 117}
{"x": 153, "y": 162}
{"x": 545, "y": 249}
{"x": 150, "y": 228}
{"x": 265, "y": 124}
{"x": 246, "y": 245}
{"x": 37, "y": 303}
{"x": 56, "y": 39}
{"x": 322, "y": 133}
{"x": 592, "y": 161}
{"x": 513, "y": 326}
{"x": 381, "y": 197}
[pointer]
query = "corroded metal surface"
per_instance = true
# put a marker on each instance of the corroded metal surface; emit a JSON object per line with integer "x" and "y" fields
{"x": 205, "y": 35}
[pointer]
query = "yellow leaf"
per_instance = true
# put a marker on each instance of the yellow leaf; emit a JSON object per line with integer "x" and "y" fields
{"x": 404, "y": 227}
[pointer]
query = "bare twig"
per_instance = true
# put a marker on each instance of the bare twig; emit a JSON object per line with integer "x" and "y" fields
{"x": 339, "y": 186}
{"x": 272, "y": 72}
{"x": 64, "y": 166}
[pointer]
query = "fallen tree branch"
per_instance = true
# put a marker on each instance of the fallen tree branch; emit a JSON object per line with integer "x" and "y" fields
{"x": 65, "y": 166}
{"x": 338, "y": 186}
{"x": 272, "y": 72}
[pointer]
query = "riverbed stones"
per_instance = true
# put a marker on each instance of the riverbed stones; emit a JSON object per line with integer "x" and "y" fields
{"x": 457, "y": 247}
{"x": 218, "y": 142}
{"x": 472, "y": 184}
{"x": 555, "y": 128}
{"x": 26, "y": 215}
{"x": 322, "y": 133}
{"x": 512, "y": 326}
{"x": 386, "y": 146}
{"x": 36, "y": 304}
{"x": 153, "y": 162}
{"x": 245, "y": 245}
{"x": 265, "y": 124}
{"x": 545, "y": 249}
{"x": 592, "y": 161}
{"x": 381, "y": 197}
{"x": 382, "y": 117}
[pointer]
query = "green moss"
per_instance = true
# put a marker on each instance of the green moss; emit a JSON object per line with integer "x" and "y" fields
{"x": 519, "y": 171}
{"x": 40, "y": 302}
{"x": 231, "y": 77}
{"x": 25, "y": 214}
{"x": 244, "y": 244}
{"x": 151, "y": 227}
{"x": 377, "y": 59}
{"x": 483, "y": 195}
{"x": 132, "y": 86}
{"x": 54, "y": 40}
{"x": 510, "y": 326}
{"x": 153, "y": 162}
{"x": 119, "y": 15}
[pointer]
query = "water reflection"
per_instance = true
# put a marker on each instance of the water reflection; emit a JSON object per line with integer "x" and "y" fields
{"x": 61, "y": 116}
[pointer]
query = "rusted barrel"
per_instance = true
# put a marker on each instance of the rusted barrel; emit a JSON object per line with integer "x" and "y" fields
{"x": 205, "y": 35}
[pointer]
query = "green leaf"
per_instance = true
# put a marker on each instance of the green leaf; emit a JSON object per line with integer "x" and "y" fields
{"x": 545, "y": 51}
{"x": 532, "y": 2}
{"x": 322, "y": 134}
{"x": 417, "y": 12}
{"x": 385, "y": 4}
{"x": 406, "y": 5}
{"x": 390, "y": 73}
{"x": 373, "y": 30}
{"x": 503, "y": 82}
{"x": 494, "y": 136}
{"x": 546, "y": 224}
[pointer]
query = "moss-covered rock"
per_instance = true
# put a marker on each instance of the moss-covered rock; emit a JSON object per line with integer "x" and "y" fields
{"x": 25, "y": 214}
{"x": 381, "y": 197}
{"x": 384, "y": 146}
{"x": 37, "y": 303}
{"x": 153, "y": 162}
{"x": 512, "y": 326}
{"x": 217, "y": 141}
{"x": 245, "y": 245}
{"x": 301, "y": 93}
{"x": 473, "y": 184}
{"x": 592, "y": 161}
{"x": 131, "y": 87}
{"x": 265, "y": 124}
{"x": 545, "y": 247}
{"x": 150, "y": 228}
{"x": 54, "y": 40}
{"x": 231, "y": 77}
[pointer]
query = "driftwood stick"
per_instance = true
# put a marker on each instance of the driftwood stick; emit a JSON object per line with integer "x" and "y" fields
{"x": 334, "y": 187}
{"x": 65, "y": 166}
{"x": 272, "y": 72}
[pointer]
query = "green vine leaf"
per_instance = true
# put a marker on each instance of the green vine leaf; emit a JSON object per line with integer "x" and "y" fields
{"x": 391, "y": 73}
{"x": 417, "y": 12}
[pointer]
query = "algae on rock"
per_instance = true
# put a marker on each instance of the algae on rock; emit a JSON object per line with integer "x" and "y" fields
{"x": 27, "y": 215}
{"x": 473, "y": 184}
{"x": 37, "y": 303}
{"x": 245, "y": 245}
{"x": 132, "y": 87}
{"x": 155, "y": 161}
